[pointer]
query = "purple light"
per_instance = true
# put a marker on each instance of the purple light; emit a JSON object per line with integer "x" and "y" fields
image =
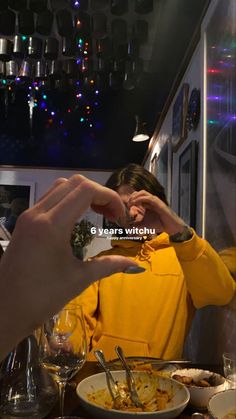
{"x": 17, "y": 78}
{"x": 77, "y": 83}
{"x": 78, "y": 61}
{"x": 214, "y": 98}
{"x": 52, "y": 113}
{"x": 61, "y": 122}
{"x": 76, "y": 3}
{"x": 96, "y": 92}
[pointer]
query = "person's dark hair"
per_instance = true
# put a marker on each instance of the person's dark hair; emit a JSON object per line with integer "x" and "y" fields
{"x": 138, "y": 178}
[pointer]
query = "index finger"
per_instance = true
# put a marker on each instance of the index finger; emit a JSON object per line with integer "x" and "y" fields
{"x": 88, "y": 193}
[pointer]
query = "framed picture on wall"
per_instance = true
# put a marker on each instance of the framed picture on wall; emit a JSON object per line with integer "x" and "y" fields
{"x": 180, "y": 109}
{"x": 188, "y": 184}
{"x": 163, "y": 168}
{"x": 153, "y": 164}
{"x": 15, "y": 197}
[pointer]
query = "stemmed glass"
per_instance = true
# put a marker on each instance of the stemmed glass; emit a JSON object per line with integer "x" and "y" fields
{"x": 229, "y": 363}
{"x": 63, "y": 347}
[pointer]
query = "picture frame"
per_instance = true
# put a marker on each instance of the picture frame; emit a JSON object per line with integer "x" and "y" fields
{"x": 163, "y": 168}
{"x": 179, "y": 117}
{"x": 15, "y": 197}
{"x": 188, "y": 184}
{"x": 153, "y": 164}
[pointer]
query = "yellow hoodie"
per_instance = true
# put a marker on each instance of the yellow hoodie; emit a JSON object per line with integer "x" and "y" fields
{"x": 149, "y": 314}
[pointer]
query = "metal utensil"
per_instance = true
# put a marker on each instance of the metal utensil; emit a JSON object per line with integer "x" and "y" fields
{"x": 116, "y": 394}
{"x": 147, "y": 360}
{"x": 129, "y": 377}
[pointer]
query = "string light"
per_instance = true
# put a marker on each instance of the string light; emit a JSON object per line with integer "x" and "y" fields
{"x": 212, "y": 121}
{"x": 214, "y": 71}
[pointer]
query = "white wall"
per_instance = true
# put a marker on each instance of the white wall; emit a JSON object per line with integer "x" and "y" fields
{"x": 193, "y": 77}
{"x": 43, "y": 179}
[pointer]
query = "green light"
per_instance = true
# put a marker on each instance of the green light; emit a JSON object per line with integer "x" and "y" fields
{"x": 44, "y": 96}
{"x": 4, "y": 81}
{"x": 35, "y": 105}
{"x": 24, "y": 38}
{"x": 212, "y": 121}
{"x": 81, "y": 119}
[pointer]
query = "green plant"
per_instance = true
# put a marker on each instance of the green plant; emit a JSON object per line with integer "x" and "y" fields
{"x": 81, "y": 236}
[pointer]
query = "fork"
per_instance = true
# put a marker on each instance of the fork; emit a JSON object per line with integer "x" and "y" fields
{"x": 130, "y": 379}
{"x": 116, "y": 394}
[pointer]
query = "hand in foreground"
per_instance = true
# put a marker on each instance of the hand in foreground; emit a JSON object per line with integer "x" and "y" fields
{"x": 152, "y": 212}
{"x": 38, "y": 272}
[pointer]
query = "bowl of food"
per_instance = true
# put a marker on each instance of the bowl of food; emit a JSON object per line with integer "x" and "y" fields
{"x": 162, "y": 397}
{"x": 202, "y": 384}
{"x": 223, "y": 405}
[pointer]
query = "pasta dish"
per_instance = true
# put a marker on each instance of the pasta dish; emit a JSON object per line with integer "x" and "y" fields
{"x": 152, "y": 397}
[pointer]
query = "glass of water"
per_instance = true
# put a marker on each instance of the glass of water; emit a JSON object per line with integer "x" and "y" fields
{"x": 229, "y": 363}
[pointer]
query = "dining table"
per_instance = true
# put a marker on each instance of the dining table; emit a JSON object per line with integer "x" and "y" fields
{"x": 72, "y": 405}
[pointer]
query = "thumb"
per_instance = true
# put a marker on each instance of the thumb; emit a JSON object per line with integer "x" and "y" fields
{"x": 104, "y": 266}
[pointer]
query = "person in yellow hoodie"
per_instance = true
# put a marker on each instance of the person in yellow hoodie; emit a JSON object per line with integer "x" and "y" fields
{"x": 149, "y": 314}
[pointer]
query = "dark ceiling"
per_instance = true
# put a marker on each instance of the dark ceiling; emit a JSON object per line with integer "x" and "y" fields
{"x": 134, "y": 79}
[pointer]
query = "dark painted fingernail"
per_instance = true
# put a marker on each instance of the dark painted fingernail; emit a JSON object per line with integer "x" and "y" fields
{"x": 134, "y": 270}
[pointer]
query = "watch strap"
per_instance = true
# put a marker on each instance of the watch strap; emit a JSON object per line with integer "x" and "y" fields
{"x": 185, "y": 235}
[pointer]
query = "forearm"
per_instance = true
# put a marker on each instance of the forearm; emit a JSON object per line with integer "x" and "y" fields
{"x": 208, "y": 279}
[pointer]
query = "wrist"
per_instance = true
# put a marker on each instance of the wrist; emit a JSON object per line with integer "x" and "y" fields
{"x": 179, "y": 237}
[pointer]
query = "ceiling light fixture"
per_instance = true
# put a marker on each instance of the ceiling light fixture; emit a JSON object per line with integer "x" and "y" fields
{"x": 141, "y": 133}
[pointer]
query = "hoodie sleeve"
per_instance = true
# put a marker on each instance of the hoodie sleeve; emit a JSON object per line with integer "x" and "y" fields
{"x": 208, "y": 280}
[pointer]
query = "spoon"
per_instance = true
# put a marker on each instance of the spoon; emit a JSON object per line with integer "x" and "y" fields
{"x": 129, "y": 377}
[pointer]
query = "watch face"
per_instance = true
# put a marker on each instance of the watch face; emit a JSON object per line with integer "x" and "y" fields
{"x": 193, "y": 114}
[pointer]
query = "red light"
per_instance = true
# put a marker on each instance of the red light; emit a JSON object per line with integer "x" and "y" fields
{"x": 214, "y": 70}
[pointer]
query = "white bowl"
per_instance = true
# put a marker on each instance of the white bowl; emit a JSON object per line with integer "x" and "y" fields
{"x": 96, "y": 382}
{"x": 222, "y": 403}
{"x": 199, "y": 396}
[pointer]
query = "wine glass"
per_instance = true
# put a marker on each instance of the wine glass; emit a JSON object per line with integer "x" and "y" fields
{"x": 63, "y": 347}
{"x": 229, "y": 364}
